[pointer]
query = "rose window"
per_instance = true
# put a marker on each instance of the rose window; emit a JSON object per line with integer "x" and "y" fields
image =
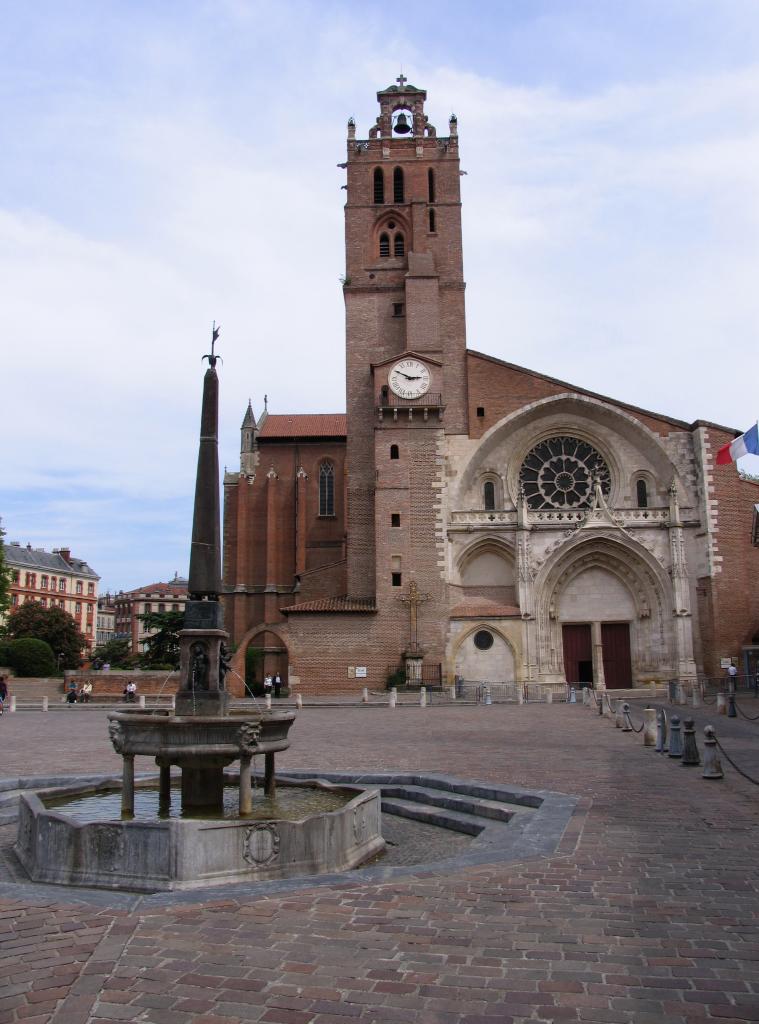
{"x": 559, "y": 473}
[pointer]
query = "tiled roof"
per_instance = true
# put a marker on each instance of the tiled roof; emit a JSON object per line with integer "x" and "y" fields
{"x": 333, "y": 604}
{"x": 168, "y": 589}
{"x": 307, "y": 425}
{"x": 38, "y": 558}
{"x": 481, "y": 609}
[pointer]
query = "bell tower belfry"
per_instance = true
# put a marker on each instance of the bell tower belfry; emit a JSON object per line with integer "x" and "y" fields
{"x": 404, "y": 297}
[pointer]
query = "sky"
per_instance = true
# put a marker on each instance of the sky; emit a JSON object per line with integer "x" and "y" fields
{"x": 168, "y": 163}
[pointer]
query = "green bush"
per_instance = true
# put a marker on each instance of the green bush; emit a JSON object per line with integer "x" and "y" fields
{"x": 30, "y": 657}
{"x": 5, "y": 653}
{"x": 397, "y": 678}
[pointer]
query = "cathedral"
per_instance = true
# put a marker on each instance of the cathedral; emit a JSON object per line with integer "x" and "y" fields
{"x": 467, "y": 517}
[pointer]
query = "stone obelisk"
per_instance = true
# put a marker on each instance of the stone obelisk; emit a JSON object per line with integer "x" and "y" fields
{"x": 202, "y": 641}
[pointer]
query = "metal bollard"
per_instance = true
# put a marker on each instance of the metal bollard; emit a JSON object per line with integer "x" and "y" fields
{"x": 365, "y": 695}
{"x": 731, "y": 712}
{"x": 712, "y": 763}
{"x": 721, "y": 704}
{"x": 572, "y": 695}
{"x": 691, "y": 756}
{"x": 423, "y": 696}
{"x": 661, "y": 732}
{"x": 549, "y": 696}
{"x": 268, "y": 702}
{"x": 649, "y": 727}
{"x": 675, "y": 738}
{"x": 44, "y": 703}
{"x": 626, "y": 723}
{"x": 298, "y": 701}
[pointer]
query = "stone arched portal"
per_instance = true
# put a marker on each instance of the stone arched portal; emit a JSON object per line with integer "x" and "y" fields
{"x": 598, "y": 597}
{"x": 274, "y": 657}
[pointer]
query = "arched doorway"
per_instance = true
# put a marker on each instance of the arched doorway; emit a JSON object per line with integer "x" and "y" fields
{"x": 265, "y": 654}
{"x": 484, "y": 656}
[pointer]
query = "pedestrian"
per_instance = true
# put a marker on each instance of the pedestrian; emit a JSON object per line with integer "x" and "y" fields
{"x": 3, "y": 693}
{"x": 85, "y": 692}
{"x": 131, "y": 692}
{"x": 71, "y": 695}
{"x": 277, "y": 684}
{"x": 732, "y": 672}
{"x": 267, "y": 684}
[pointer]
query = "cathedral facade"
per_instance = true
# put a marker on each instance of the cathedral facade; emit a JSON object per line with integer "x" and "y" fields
{"x": 466, "y": 516}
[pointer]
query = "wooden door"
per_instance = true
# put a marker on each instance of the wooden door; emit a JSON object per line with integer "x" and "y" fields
{"x": 615, "y": 637}
{"x": 578, "y": 653}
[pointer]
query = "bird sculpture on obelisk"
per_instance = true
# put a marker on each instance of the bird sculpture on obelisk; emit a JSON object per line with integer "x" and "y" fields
{"x": 202, "y": 640}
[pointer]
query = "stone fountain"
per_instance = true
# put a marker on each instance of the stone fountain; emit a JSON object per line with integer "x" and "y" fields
{"x": 202, "y": 737}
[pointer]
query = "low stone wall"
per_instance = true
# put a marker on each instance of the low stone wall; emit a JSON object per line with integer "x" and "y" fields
{"x": 112, "y": 684}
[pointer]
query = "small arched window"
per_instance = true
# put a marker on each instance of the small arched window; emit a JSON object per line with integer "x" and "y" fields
{"x": 432, "y": 221}
{"x": 430, "y": 186}
{"x": 394, "y": 453}
{"x": 641, "y": 492}
{"x": 384, "y": 245}
{"x": 398, "y": 193}
{"x": 488, "y": 494}
{"x": 326, "y": 489}
{"x": 379, "y": 185}
{"x": 399, "y": 246}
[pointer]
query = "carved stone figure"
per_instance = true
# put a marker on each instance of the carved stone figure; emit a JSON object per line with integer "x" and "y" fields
{"x": 199, "y": 667}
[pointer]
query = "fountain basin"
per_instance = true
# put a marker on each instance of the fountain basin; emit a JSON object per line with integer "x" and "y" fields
{"x": 153, "y": 856}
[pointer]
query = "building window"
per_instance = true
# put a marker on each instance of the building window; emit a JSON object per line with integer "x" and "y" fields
{"x": 431, "y": 185}
{"x": 161, "y": 607}
{"x": 559, "y": 473}
{"x": 43, "y": 583}
{"x": 483, "y": 640}
{"x": 384, "y": 245}
{"x": 326, "y": 489}
{"x": 641, "y": 492}
{"x": 148, "y": 608}
{"x": 488, "y": 494}
{"x": 399, "y": 245}
{"x": 16, "y": 576}
{"x": 175, "y": 607}
{"x": 43, "y": 602}
{"x": 79, "y": 587}
{"x": 91, "y": 588}
{"x": 396, "y": 578}
{"x": 53, "y": 582}
{"x": 78, "y": 608}
{"x": 480, "y": 412}
{"x": 14, "y": 600}
{"x": 398, "y": 194}
{"x": 432, "y": 222}
{"x": 61, "y": 586}
{"x": 394, "y": 453}
{"x": 379, "y": 185}
{"x": 395, "y": 519}
{"x": 398, "y": 309}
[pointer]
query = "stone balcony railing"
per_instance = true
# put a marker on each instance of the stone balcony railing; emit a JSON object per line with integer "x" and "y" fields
{"x": 628, "y": 517}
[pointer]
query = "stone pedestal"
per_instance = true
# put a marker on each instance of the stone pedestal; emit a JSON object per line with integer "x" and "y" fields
{"x": 413, "y": 661}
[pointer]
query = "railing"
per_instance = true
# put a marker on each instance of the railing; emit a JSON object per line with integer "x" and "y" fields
{"x": 431, "y": 676}
{"x": 388, "y": 400}
{"x": 485, "y": 518}
{"x": 556, "y": 517}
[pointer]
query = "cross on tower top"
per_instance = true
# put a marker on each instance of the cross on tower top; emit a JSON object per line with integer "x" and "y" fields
{"x": 401, "y": 79}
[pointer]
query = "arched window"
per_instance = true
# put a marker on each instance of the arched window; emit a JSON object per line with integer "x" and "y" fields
{"x": 326, "y": 489}
{"x": 488, "y": 494}
{"x": 642, "y": 494}
{"x": 398, "y": 186}
{"x": 432, "y": 221}
{"x": 394, "y": 453}
{"x": 431, "y": 185}
{"x": 379, "y": 185}
{"x": 384, "y": 245}
{"x": 399, "y": 245}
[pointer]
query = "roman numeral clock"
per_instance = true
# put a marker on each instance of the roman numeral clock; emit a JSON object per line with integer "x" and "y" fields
{"x": 410, "y": 388}
{"x": 409, "y": 378}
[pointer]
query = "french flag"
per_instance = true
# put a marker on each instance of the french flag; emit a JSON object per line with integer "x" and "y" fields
{"x": 746, "y": 444}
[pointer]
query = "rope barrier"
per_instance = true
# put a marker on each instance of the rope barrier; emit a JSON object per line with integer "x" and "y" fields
{"x": 750, "y": 718}
{"x": 709, "y": 700}
{"x": 630, "y": 723}
{"x": 733, "y": 764}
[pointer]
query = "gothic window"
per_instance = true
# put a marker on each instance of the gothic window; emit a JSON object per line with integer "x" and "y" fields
{"x": 483, "y": 639}
{"x": 384, "y": 245}
{"x": 432, "y": 221}
{"x": 488, "y": 494}
{"x": 326, "y": 489}
{"x": 431, "y": 185}
{"x": 559, "y": 472}
{"x": 398, "y": 192}
{"x": 641, "y": 492}
{"x": 399, "y": 245}
{"x": 379, "y": 185}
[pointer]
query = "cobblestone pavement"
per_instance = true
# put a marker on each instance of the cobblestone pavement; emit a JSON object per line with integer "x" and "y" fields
{"x": 647, "y": 912}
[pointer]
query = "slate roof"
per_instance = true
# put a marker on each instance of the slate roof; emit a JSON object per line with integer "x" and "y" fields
{"x": 307, "y": 425}
{"x": 333, "y": 604}
{"x": 37, "y": 558}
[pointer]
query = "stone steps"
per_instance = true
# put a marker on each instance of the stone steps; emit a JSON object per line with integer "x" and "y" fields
{"x": 456, "y": 821}
{"x": 493, "y": 810}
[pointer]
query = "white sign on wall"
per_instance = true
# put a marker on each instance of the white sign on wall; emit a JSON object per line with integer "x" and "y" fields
{"x": 360, "y": 671}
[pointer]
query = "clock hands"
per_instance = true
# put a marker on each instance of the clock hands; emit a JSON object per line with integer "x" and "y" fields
{"x": 402, "y": 374}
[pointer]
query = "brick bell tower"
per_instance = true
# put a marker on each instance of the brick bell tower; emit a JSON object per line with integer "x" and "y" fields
{"x": 405, "y": 348}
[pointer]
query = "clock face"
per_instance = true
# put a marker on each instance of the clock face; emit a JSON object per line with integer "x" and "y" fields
{"x": 409, "y": 379}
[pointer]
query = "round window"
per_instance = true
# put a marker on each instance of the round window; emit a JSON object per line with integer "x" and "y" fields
{"x": 483, "y": 640}
{"x": 560, "y": 472}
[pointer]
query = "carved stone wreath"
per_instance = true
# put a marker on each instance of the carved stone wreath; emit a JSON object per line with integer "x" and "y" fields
{"x": 558, "y": 473}
{"x": 260, "y": 844}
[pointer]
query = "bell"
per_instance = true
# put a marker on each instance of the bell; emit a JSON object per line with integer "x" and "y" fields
{"x": 402, "y": 126}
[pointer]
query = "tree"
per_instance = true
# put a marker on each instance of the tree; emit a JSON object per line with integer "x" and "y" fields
{"x": 117, "y": 653}
{"x": 5, "y": 578}
{"x": 162, "y": 647}
{"x": 54, "y": 626}
{"x": 29, "y": 657}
